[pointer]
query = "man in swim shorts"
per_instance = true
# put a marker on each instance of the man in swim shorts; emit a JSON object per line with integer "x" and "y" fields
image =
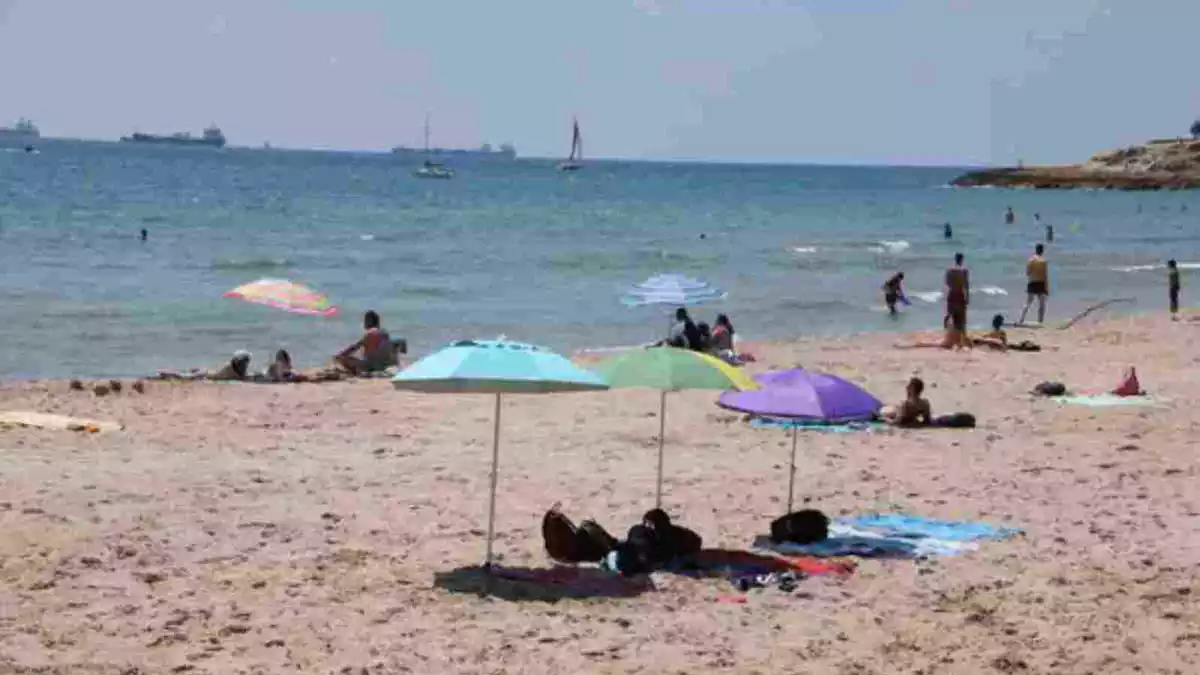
{"x": 1038, "y": 274}
{"x": 378, "y": 350}
{"x": 958, "y": 296}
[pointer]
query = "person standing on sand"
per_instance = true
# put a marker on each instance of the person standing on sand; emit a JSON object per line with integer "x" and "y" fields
{"x": 1038, "y": 274}
{"x": 958, "y": 296}
{"x": 1173, "y": 287}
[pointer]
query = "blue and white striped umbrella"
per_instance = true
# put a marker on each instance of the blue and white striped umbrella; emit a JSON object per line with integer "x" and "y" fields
{"x": 671, "y": 289}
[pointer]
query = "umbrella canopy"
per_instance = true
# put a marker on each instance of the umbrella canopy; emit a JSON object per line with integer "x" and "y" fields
{"x": 671, "y": 289}
{"x": 800, "y": 394}
{"x": 495, "y": 367}
{"x": 670, "y": 369}
{"x": 804, "y": 394}
{"x": 285, "y": 295}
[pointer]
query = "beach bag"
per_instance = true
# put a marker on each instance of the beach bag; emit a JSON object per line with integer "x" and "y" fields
{"x": 960, "y": 420}
{"x": 570, "y": 544}
{"x": 801, "y": 527}
{"x": 668, "y": 541}
{"x": 1050, "y": 389}
{"x": 1025, "y": 346}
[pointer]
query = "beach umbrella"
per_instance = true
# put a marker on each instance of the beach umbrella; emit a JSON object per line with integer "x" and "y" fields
{"x": 801, "y": 395}
{"x": 495, "y": 367}
{"x": 285, "y": 295}
{"x": 670, "y": 369}
{"x": 671, "y": 289}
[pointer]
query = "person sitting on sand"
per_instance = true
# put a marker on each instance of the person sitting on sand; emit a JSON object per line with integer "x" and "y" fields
{"x": 684, "y": 334}
{"x": 996, "y": 339}
{"x": 915, "y": 411}
{"x": 237, "y": 370}
{"x": 379, "y": 352}
{"x": 722, "y": 335}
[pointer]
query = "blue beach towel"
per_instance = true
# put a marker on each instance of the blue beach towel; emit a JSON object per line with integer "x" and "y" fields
{"x": 918, "y": 527}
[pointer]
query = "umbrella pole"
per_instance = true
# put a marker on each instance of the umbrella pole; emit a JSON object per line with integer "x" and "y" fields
{"x": 487, "y": 564}
{"x": 662, "y": 435}
{"x": 792, "y": 470}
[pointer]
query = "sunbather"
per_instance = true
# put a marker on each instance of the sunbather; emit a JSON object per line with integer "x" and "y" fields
{"x": 915, "y": 411}
{"x": 236, "y": 370}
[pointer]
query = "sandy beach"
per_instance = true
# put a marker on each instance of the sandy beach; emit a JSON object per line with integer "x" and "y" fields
{"x": 234, "y": 528}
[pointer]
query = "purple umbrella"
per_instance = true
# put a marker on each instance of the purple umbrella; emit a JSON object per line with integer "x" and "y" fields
{"x": 803, "y": 395}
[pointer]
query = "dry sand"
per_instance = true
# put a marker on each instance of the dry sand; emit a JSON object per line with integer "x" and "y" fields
{"x": 318, "y": 528}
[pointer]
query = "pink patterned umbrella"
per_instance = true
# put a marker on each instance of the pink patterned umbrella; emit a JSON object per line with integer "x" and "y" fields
{"x": 285, "y": 295}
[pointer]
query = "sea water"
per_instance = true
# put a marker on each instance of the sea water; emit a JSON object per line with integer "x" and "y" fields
{"x": 517, "y": 248}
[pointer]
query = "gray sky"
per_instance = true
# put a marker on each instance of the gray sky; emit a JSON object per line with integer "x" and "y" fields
{"x": 903, "y": 81}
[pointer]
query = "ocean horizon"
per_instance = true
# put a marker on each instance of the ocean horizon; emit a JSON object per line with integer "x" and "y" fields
{"x": 515, "y": 247}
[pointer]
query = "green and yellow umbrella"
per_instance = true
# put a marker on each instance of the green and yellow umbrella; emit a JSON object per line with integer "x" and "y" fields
{"x": 670, "y": 369}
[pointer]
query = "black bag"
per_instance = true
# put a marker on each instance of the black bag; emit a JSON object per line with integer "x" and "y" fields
{"x": 570, "y": 544}
{"x": 802, "y": 527}
{"x": 667, "y": 541}
{"x": 960, "y": 420}
{"x": 1050, "y": 389}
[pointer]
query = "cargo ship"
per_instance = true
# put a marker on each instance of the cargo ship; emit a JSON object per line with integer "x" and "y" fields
{"x": 211, "y": 137}
{"x": 23, "y": 131}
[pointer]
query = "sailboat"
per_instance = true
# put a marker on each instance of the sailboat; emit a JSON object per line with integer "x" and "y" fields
{"x": 575, "y": 160}
{"x": 431, "y": 169}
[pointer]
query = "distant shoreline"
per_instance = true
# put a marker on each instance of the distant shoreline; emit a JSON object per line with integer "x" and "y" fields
{"x": 1172, "y": 164}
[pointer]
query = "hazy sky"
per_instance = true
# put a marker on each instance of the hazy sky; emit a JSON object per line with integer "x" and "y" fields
{"x": 905, "y": 81}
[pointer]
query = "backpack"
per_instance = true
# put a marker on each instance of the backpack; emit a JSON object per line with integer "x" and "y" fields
{"x": 802, "y": 527}
{"x": 570, "y": 544}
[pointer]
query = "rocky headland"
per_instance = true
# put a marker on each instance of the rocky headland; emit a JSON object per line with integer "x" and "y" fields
{"x": 1158, "y": 165}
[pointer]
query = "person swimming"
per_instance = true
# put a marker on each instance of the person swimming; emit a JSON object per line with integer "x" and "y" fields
{"x": 378, "y": 350}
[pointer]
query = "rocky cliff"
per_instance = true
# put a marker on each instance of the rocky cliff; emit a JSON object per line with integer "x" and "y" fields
{"x": 1157, "y": 165}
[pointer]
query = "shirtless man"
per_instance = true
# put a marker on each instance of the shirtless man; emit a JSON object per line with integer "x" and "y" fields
{"x": 958, "y": 296}
{"x": 1038, "y": 274}
{"x": 378, "y": 349}
{"x": 915, "y": 411}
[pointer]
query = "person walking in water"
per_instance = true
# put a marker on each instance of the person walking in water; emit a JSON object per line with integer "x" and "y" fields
{"x": 1049, "y": 233}
{"x": 145, "y": 234}
{"x": 948, "y": 232}
{"x": 958, "y": 296}
{"x": 1173, "y": 287}
{"x": 893, "y": 292}
{"x": 1009, "y": 216}
{"x": 1037, "y": 273}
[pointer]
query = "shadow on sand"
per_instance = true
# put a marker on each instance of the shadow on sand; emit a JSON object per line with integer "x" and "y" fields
{"x": 541, "y": 584}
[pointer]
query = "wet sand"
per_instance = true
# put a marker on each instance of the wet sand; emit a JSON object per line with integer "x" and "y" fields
{"x": 324, "y": 528}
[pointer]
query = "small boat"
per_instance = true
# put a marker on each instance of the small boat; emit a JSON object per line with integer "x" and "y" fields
{"x": 574, "y": 161}
{"x": 432, "y": 169}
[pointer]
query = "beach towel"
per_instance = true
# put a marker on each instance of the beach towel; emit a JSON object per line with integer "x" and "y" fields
{"x": 919, "y": 527}
{"x": 845, "y": 541}
{"x": 1106, "y": 400}
{"x": 734, "y": 563}
{"x": 808, "y": 425}
{"x": 580, "y": 581}
{"x": 18, "y": 418}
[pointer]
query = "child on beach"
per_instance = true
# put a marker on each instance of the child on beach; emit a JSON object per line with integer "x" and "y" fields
{"x": 1173, "y": 287}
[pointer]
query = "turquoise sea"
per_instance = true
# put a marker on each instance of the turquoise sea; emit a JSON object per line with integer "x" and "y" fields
{"x": 515, "y": 248}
